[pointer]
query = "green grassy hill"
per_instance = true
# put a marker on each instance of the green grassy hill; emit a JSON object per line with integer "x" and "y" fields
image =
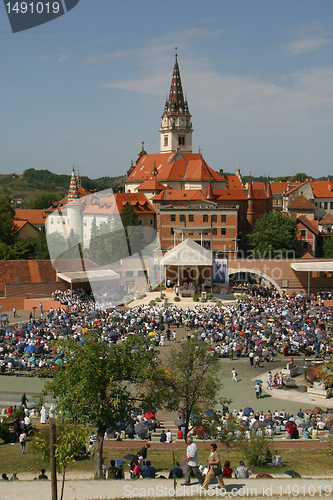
{"x": 34, "y": 183}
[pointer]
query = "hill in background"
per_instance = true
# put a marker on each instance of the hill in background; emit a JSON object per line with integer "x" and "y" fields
{"x": 39, "y": 188}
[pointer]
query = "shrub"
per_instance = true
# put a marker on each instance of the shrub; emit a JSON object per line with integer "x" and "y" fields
{"x": 203, "y": 299}
{"x": 4, "y": 430}
{"x": 162, "y": 295}
{"x": 128, "y": 298}
{"x": 219, "y": 303}
{"x": 165, "y": 304}
{"x": 152, "y": 303}
{"x": 254, "y": 450}
{"x": 177, "y": 299}
{"x": 158, "y": 299}
{"x": 209, "y": 296}
{"x": 195, "y": 298}
{"x": 241, "y": 296}
{"x": 213, "y": 300}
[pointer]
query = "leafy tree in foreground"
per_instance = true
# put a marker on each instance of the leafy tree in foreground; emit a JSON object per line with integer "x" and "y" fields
{"x": 188, "y": 381}
{"x": 97, "y": 382}
{"x": 274, "y": 235}
{"x": 8, "y": 231}
{"x": 70, "y": 440}
{"x": 328, "y": 247}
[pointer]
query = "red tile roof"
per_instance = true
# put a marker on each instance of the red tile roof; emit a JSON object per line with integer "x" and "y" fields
{"x": 327, "y": 219}
{"x": 321, "y": 189}
{"x": 151, "y": 185}
{"x": 308, "y": 256}
{"x": 20, "y": 223}
{"x": 34, "y": 216}
{"x": 192, "y": 167}
{"x": 279, "y": 187}
{"x": 301, "y": 203}
{"x": 18, "y": 271}
{"x": 229, "y": 194}
{"x": 179, "y": 194}
{"x": 312, "y": 225}
{"x": 234, "y": 182}
{"x": 294, "y": 186}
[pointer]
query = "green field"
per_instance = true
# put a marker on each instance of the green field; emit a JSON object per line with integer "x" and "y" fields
{"x": 306, "y": 462}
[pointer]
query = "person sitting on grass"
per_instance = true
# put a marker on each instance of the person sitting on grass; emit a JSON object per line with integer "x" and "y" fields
{"x": 4, "y": 477}
{"x": 42, "y": 475}
{"x": 149, "y": 471}
{"x": 14, "y": 476}
{"x": 136, "y": 472}
{"x": 178, "y": 472}
{"x": 114, "y": 472}
{"x": 227, "y": 471}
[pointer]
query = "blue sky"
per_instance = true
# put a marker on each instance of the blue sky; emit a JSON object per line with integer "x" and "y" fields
{"x": 87, "y": 88}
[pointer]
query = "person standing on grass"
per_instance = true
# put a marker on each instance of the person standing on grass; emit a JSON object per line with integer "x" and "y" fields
{"x": 24, "y": 399}
{"x": 22, "y": 440}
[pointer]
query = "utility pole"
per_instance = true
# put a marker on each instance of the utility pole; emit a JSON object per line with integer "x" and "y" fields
{"x": 53, "y": 461}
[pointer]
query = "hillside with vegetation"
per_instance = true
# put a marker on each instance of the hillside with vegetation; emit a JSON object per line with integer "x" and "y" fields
{"x": 39, "y": 188}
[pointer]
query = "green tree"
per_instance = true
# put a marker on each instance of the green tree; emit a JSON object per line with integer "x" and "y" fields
{"x": 8, "y": 230}
{"x": 42, "y": 251}
{"x": 256, "y": 449}
{"x": 6, "y": 252}
{"x": 274, "y": 235}
{"x": 108, "y": 242}
{"x": 56, "y": 243}
{"x": 42, "y": 201}
{"x": 70, "y": 440}
{"x": 187, "y": 381}
{"x": 98, "y": 382}
{"x": 328, "y": 247}
{"x": 25, "y": 249}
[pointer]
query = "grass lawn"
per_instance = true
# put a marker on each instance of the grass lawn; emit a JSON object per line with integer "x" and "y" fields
{"x": 304, "y": 461}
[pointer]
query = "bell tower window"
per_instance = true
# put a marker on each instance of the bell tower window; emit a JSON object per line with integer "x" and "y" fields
{"x": 165, "y": 140}
{"x": 181, "y": 140}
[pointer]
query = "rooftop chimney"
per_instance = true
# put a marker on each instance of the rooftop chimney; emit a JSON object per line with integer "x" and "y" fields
{"x": 120, "y": 189}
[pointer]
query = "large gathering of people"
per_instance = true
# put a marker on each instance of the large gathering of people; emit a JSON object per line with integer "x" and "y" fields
{"x": 258, "y": 327}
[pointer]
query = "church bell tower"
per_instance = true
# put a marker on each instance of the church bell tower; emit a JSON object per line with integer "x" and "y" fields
{"x": 176, "y": 127}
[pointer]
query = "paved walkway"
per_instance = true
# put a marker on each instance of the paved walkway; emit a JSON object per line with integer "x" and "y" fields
{"x": 150, "y": 488}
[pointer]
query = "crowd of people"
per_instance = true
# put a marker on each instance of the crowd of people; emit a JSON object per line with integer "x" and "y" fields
{"x": 259, "y": 327}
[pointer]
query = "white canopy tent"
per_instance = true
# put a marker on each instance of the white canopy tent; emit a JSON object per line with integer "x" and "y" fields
{"x": 90, "y": 276}
{"x": 187, "y": 253}
{"x": 188, "y": 261}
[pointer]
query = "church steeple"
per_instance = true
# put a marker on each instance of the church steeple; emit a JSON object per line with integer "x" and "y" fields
{"x": 176, "y": 128}
{"x": 73, "y": 193}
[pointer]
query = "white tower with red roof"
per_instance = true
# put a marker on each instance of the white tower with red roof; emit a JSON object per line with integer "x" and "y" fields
{"x": 176, "y": 128}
